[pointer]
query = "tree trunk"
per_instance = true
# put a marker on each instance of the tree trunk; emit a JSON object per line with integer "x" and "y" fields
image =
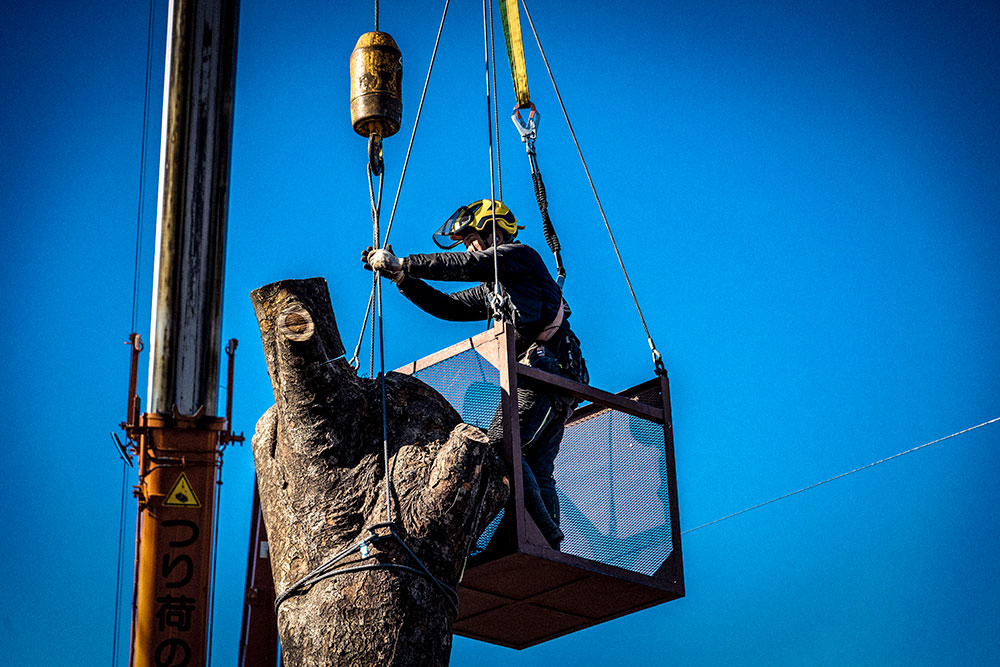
{"x": 321, "y": 473}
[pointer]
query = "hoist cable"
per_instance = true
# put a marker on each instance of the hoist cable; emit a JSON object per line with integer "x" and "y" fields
{"x": 215, "y": 561}
{"x": 841, "y": 475}
{"x": 371, "y": 347}
{"x": 354, "y": 361}
{"x": 118, "y": 568}
{"x": 143, "y": 151}
{"x": 413, "y": 134}
{"x": 376, "y": 15}
{"x": 142, "y": 163}
{"x": 376, "y": 206}
{"x": 399, "y": 187}
{"x": 496, "y": 107}
{"x": 489, "y": 133}
{"x": 657, "y": 359}
{"x": 385, "y": 417}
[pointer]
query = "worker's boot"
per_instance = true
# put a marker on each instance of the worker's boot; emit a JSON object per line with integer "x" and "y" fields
{"x": 556, "y": 538}
{"x": 537, "y": 510}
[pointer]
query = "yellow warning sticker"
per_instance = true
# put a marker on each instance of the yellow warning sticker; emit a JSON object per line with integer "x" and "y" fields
{"x": 181, "y": 494}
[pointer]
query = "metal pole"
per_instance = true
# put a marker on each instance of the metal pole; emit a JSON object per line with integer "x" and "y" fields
{"x": 180, "y": 437}
{"x": 193, "y": 199}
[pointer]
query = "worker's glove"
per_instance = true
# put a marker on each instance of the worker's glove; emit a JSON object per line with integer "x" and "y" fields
{"x": 383, "y": 261}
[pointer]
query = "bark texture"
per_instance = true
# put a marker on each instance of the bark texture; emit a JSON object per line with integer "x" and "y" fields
{"x": 320, "y": 469}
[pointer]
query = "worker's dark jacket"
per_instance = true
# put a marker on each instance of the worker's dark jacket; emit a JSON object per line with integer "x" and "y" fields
{"x": 523, "y": 278}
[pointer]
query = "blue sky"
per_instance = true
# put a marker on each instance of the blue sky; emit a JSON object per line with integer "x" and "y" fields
{"x": 806, "y": 196}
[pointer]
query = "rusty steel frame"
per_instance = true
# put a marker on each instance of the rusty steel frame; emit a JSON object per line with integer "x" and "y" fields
{"x": 165, "y": 446}
{"x": 259, "y": 634}
{"x": 528, "y": 577}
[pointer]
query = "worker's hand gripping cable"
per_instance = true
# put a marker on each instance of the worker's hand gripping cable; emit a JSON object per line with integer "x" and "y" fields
{"x": 384, "y": 261}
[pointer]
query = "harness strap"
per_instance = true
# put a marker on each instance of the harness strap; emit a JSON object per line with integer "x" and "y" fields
{"x": 550, "y": 330}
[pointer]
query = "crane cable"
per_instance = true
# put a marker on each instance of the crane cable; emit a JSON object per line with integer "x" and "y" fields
{"x": 496, "y": 109}
{"x": 329, "y": 568}
{"x": 376, "y": 210}
{"x": 657, "y": 357}
{"x": 118, "y": 568}
{"x": 841, "y": 475}
{"x": 375, "y": 167}
{"x": 142, "y": 164}
{"x": 143, "y": 151}
{"x": 215, "y": 559}
{"x": 496, "y": 299}
{"x": 406, "y": 161}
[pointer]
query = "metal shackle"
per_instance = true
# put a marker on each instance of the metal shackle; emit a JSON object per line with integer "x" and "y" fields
{"x": 376, "y": 85}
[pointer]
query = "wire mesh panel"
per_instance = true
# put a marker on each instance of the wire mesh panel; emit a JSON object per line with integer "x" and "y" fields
{"x": 613, "y": 488}
{"x": 469, "y": 382}
{"x": 472, "y": 385}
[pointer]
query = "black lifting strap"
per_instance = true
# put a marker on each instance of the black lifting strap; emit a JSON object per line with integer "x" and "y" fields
{"x": 547, "y": 229}
{"x": 528, "y": 130}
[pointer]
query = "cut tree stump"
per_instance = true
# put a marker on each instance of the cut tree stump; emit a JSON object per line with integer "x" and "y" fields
{"x": 320, "y": 468}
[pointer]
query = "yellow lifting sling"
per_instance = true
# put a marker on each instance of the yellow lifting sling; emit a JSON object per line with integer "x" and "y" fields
{"x": 515, "y": 51}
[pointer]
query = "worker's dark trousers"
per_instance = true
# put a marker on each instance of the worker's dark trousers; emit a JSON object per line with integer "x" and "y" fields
{"x": 542, "y": 417}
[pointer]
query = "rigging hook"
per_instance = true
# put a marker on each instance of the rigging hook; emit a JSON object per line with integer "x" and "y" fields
{"x": 528, "y": 129}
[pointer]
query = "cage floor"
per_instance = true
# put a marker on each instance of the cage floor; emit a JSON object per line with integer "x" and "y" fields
{"x": 523, "y": 599}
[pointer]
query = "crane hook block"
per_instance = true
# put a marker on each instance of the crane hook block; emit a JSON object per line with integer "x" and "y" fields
{"x": 376, "y": 85}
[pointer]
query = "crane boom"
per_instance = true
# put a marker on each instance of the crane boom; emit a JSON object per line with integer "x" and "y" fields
{"x": 179, "y": 439}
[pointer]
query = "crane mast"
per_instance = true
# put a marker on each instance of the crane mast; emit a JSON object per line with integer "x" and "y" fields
{"x": 179, "y": 440}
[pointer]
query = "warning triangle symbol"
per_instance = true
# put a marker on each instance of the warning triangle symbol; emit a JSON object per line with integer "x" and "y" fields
{"x": 181, "y": 494}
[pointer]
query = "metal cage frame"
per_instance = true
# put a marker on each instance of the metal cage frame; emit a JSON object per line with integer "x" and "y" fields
{"x": 524, "y": 592}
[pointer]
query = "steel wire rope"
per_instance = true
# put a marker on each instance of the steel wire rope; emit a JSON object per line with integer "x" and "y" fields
{"x": 496, "y": 107}
{"x": 328, "y": 568}
{"x": 377, "y": 287}
{"x": 324, "y": 571}
{"x": 496, "y": 304}
{"x": 118, "y": 567}
{"x": 376, "y": 205}
{"x": 354, "y": 361}
{"x": 376, "y": 209}
{"x": 215, "y": 560}
{"x": 413, "y": 133}
{"x": 841, "y": 475}
{"x": 143, "y": 151}
{"x": 142, "y": 163}
{"x": 385, "y": 417}
{"x": 657, "y": 358}
{"x": 402, "y": 175}
{"x": 371, "y": 348}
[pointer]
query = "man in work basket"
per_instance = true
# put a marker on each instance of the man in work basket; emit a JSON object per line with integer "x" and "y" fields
{"x": 526, "y": 296}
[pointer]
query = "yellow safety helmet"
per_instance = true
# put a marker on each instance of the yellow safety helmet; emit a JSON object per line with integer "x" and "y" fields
{"x": 476, "y": 217}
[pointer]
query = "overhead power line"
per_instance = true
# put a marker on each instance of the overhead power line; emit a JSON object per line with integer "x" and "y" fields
{"x": 845, "y": 474}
